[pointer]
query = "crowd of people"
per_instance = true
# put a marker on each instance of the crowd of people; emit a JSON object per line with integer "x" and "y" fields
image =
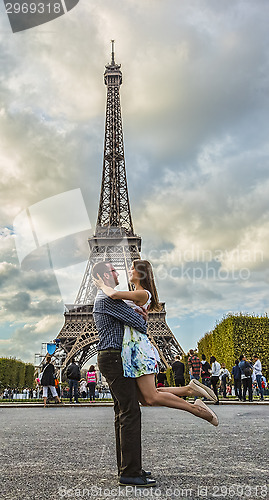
{"x": 245, "y": 379}
{"x": 77, "y": 385}
{"x": 48, "y": 385}
{"x": 25, "y": 393}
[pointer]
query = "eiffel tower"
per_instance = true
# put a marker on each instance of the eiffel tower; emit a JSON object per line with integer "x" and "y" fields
{"x": 114, "y": 240}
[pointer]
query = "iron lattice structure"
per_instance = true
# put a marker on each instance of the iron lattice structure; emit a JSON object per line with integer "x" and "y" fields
{"x": 114, "y": 240}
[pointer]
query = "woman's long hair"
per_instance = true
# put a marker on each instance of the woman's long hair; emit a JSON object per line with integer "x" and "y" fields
{"x": 143, "y": 267}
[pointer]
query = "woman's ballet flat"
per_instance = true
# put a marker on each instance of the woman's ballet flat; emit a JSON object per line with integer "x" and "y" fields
{"x": 202, "y": 390}
{"x": 215, "y": 420}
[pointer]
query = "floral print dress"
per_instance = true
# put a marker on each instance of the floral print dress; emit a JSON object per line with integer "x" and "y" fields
{"x": 138, "y": 354}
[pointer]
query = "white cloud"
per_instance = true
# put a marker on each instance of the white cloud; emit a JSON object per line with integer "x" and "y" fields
{"x": 26, "y": 341}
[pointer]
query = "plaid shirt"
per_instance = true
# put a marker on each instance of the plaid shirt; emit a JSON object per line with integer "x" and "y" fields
{"x": 110, "y": 316}
{"x": 194, "y": 363}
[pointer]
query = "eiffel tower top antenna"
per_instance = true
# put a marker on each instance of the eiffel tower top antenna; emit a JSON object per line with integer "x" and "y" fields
{"x": 112, "y": 52}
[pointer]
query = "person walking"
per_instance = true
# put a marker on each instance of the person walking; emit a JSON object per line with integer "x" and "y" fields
{"x": 246, "y": 377}
{"x": 178, "y": 370}
{"x": 236, "y": 373}
{"x": 48, "y": 381}
{"x": 73, "y": 375}
{"x": 215, "y": 373}
{"x": 257, "y": 375}
{"x": 91, "y": 382}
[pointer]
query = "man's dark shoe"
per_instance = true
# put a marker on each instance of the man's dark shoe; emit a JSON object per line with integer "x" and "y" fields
{"x": 139, "y": 482}
{"x": 145, "y": 473}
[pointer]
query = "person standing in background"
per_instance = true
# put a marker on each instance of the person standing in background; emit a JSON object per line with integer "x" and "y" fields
{"x": 91, "y": 382}
{"x": 215, "y": 373}
{"x": 195, "y": 365}
{"x": 161, "y": 378}
{"x": 48, "y": 381}
{"x": 57, "y": 386}
{"x": 236, "y": 373}
{"x": 83, "y": 388}
{"x": 73, "y": 375}
{"x": 224, "y": 378}
{"x": 205, "y": 372}
{"x": 246, "y": 377}
{"x": 178, "y": 370}
{"x": 257, "y": 375}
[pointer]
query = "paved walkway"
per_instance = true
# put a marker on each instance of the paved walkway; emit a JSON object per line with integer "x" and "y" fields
{"x": 68, "y": 452}
{"x": 25, "y": 404}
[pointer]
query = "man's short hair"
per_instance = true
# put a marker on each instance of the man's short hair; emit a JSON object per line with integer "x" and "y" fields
{"x": 100, "y": 268}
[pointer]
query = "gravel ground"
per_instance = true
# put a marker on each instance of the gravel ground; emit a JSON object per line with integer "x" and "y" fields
{"x": 69, "y": 452}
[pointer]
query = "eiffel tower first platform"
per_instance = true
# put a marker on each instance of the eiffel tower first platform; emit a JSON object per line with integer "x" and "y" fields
{"x": 114, "y": 240}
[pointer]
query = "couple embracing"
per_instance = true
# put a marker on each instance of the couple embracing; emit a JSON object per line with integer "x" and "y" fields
{"x": 128, "y": 361}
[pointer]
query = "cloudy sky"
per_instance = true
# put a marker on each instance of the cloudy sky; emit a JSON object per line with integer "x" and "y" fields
{"x": 195, "y": 116}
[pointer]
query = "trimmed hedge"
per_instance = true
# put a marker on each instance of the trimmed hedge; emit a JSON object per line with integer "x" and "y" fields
{"x": 184, "y": 359}
{"x": 170, "y": 377}
{"x": 238, "y": 334}
{"x": 16, "y": 374}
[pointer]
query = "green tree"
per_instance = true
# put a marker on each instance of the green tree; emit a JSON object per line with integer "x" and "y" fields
{"x": 170, "y": 377}
{"x": 29, "y": 375}
{"x": 238, "y": 334}
{"x": 14, "y": 373}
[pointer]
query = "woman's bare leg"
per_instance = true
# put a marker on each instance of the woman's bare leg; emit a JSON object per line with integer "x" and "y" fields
{"x": 194, "y": 388}
{"x": 152, "y": 397}
{"x": 186, "y": 390}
